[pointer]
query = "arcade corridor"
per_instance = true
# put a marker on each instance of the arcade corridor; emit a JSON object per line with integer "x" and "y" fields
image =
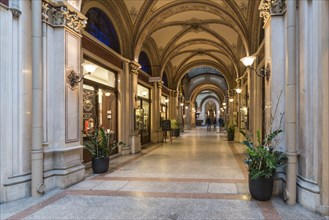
{"x": 197, "y": 176}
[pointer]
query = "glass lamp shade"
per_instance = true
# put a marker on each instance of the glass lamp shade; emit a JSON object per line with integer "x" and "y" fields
{"x": 89, "y": 68}
{"x": 224, "y": 103}
{"x": 248, "y": 61}
{"x": 231, "y": 100}
{"x": 238, "y": 90}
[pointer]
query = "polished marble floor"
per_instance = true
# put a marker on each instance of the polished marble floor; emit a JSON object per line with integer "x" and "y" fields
{"x": 198, "y": 176}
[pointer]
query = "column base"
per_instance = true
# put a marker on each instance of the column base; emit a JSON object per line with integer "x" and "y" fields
{"x": 135, "y": 143}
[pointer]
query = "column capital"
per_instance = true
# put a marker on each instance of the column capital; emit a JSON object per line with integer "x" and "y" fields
{"x": 63, "y": 15}
{"x": 160, "y": 84}
{"x": 270, "y": 8}
{"x": 134, "y": 67}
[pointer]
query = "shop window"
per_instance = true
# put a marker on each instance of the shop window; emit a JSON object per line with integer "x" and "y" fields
{"x": 100, "y": 26}
{"x": 100, "y": 105}
{"x": 142, "y": 114}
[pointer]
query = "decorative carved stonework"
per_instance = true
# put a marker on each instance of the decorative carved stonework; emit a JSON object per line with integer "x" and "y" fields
{"x": 63, "y": 15}
{"x": 134, "y": 68}
{"x": 45, "y": 10}
{"x": 14, "y": 8}
{"x": 58, "y": 15}
{"x": 279, "y": 7}
{"x": 160, "y": 84}
{"x": 270, "y": 8}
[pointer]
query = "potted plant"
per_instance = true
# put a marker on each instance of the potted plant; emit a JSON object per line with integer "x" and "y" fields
{"x": 122, "y": 147}
{"x": 262, "y": 161}
{"x": 175, "y": 127}
{"x": 98, "y": 144}
{"x": 230, "y": 132}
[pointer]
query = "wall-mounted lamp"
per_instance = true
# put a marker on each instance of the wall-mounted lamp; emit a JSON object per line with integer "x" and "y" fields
{"x": 75, "y": 78}
{"x": 248, "y": 61}
{"x": 231, "y": 100}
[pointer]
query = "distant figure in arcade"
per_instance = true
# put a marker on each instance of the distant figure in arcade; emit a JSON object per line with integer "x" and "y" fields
{"x": 215, "y": 123}
{"x": 208, "y": 122}
{"x": 221, "y": 123}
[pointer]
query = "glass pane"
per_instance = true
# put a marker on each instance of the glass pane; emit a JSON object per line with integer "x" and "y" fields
{"x": 107, "y": 111}
{"x": 146, "y": 119}
{"x": 89, "y": 108}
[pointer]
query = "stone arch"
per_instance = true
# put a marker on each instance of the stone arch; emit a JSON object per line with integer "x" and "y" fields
{"x": 228, "y": 78}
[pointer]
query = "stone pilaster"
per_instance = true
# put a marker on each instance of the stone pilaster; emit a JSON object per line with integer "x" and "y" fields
{"x": 63, "y": 152}
{"x": 156, "y": 102}
{"x": 173, "y": 107}
{"x": 188, "y": 112}
{"x": 134, "y": 142}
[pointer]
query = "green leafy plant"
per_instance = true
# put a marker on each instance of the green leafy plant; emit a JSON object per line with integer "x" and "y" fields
{"x": 98, "y": 143}
{"x": 230, "y": 128}
{"x": 174, "y": 124}
{"x": 263, "y": 158}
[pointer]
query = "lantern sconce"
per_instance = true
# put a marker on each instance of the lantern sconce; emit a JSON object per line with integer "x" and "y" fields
{"x": 74, "y": 77}
{"x": 249, "y": 60}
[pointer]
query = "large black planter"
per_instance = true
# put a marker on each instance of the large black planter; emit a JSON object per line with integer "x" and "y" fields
{"x": 176, "y": 132}
{"x": 100, "y": 165}
{"x": 261, "y": 189}
{"x": 230, "y": 136}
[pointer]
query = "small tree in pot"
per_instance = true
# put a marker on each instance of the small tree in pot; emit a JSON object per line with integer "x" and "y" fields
{"x": 98, "y": 144}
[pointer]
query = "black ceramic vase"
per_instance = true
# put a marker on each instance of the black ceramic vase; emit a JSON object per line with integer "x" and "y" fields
{"x": 230, "y": 136}
{"x": 100, "y": 165}
{"x": 261, "y": 189}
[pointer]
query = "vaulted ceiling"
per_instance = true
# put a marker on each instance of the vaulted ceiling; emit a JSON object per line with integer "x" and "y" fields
{"x": 179, "y": 35}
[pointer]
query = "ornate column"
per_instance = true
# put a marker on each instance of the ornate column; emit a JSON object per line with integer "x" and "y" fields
{"x": 63, "y": 108}
{"x": 134, "y": 142}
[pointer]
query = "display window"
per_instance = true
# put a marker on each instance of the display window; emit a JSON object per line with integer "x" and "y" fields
{"x": 100, "y": 104}
{"x": 164, "y": 108}
{"x": 142, "y": 114}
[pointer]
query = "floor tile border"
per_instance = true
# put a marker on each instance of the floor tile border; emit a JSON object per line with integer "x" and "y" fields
{"x": 143, "y": 153}
{"x": 29, "y": 211}
{"x": 244, "y": 197}
{"x": 268, "y": 210}
{"x": 151, "y": 179}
